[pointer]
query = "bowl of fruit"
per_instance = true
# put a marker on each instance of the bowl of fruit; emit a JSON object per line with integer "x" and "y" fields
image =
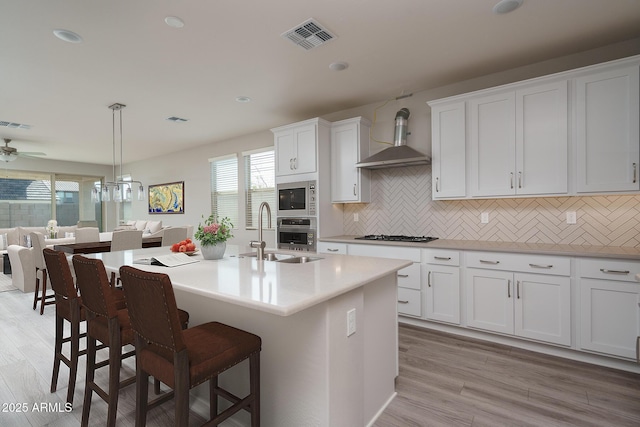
{"x": 186, "y": 246}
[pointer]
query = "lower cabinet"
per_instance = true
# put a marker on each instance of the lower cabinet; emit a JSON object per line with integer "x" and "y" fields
{"x": 609, "y": 307}
{"x": 442, "y": 291}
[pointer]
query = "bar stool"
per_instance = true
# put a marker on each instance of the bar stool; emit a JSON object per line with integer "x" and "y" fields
{"x": 68, "y": 307}
{"x": 38, "y": 244}
{"x": 182, "y": 359}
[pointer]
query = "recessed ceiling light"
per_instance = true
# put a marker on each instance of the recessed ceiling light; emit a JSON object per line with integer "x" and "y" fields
{"x": 243, "y": 99}
{"x": 506, "y": 6}
{"x": 67, "y": 36}
{"x": 338, "y": 66}
{"x": 174, "y": 22}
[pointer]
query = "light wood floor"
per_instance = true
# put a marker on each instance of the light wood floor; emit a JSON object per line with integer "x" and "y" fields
{"x": 444, "y": 381}
{"x": 451, "y": 381}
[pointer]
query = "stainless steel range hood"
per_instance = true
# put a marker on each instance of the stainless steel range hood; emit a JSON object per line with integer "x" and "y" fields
{"x": 398, "y": 155}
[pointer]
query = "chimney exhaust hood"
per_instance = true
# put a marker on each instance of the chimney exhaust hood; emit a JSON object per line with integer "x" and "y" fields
{"x": 400, "y": 154}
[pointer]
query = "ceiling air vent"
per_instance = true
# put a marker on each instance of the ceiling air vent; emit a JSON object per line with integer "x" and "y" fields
{"x": 309, "y": 34}
{"x": 14, "y": 125}
{"x": 176, "y": 119}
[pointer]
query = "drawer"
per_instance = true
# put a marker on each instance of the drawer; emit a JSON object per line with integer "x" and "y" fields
{"x": 409, "y": 277}
{"x": 383, "y": 251}
{"x": 332, "y": 248}
{"x": 409, "y": 302}
{"x": 441, "y": 256}
{"x": 624, "y": 271}
{"x": 525, "y": 263}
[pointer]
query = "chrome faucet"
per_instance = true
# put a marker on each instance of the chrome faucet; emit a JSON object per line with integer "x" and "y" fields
{"x": 260, "y": 244}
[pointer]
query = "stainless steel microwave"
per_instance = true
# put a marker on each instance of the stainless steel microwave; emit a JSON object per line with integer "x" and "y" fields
{"x": 297, "y": 198}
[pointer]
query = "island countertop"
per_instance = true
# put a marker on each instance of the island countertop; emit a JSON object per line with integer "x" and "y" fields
{"x": 273, "y": 287}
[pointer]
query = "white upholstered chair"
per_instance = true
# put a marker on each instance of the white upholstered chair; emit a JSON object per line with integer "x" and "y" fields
{"x": 87, "y": 234}
{"x": 23, "y": 269}
{"x": 173, "y": 235}
{"x": 126, "y": 239}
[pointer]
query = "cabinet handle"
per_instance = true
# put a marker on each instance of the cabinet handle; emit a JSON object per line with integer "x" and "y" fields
{"x": 541, "y": 266}
{"x": 484, "y": 261}
{"x": 291, "y": 163}
{"x": 295, "y": 163}
{"x": 442, "y": 258}
{"x": 635, "y": 172}
{"x": 511, "y": 179}
{"x": 332, "y": 250}
{"x": 429, "y": 279}
{"x": 403, "y": 302}
{"x": 508, "y": 288}
{"x": 518, "y": 289}
{"x": 604, "y": 270}
{"x": 403, "y": 275}
{"x": 354, "y": 189}
{"x": 437, "y": 188}
{"x": 519, "y": 179}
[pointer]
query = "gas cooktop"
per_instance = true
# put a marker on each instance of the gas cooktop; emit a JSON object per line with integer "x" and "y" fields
{"x": 395, "y": 238}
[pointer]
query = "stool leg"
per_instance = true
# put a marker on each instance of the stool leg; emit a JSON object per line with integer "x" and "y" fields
{"x": 35, "y": 292}
{"x": 44, "y": 291}
{"x": 75, "y": 354}
{"x": 89, "y": 380}
{"x": 115, "y": 361}
{"x": 57, "y": 352}
{"x": 181, "y": 388}
{"x": 254, "y": 379}
{"x": 142, "y": 395}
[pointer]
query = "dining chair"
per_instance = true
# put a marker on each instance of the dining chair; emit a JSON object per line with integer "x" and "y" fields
{"x": 87, "y": 235}
{"x": 173, "y": 235}
{"x": 68, "y": 308}
{"x": 38, "y": 244}
{"x": 183, "y": 359}
{"x": 126, "y": 239}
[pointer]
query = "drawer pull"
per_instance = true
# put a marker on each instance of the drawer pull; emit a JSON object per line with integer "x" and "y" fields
{"x": 442, "y": 258}
{"x": 332, "y": 250}
{"x": 403, "y": 302}
{"x": 403, "y": 275}
{"x": 604, "y": 270}
{"x": 484, "y": 261}
{"x": 541, "y": 266}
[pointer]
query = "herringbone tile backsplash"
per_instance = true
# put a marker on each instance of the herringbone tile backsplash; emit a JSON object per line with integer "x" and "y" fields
{"x": 401, "y": 204}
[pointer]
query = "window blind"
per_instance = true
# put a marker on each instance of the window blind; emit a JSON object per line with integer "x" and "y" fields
{"x": 224, "y": 188}
{"x": 259, "y": 169}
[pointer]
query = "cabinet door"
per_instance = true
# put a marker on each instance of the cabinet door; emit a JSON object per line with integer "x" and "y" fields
{"x": 489, "y": 300}
{"x": 448, "y": 139}
{"x": 443, "y": 293}
{"x": 542, "y": 139}
{"x": 609, "y": 317}
{"x": 543, "y": 308}
{"x": 492, "y": 141}
{"x": 285, "y": 152}
{"x": 304, "y": 159}
{"x": 607, "y": 131}
{"x": 348, "y": 183}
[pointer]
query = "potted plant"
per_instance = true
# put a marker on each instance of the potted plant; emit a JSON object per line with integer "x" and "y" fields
{"x": 213, "y": 236}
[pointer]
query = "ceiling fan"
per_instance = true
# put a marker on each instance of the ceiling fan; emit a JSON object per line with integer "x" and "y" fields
{"x": 9, "y": 154}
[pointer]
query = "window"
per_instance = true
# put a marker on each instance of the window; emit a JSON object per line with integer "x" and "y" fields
{"x": 259, "y": 171}
{"x": 224, "y": 187}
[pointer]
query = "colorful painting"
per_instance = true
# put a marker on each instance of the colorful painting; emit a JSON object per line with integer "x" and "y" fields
{"x": 166, "y": 198}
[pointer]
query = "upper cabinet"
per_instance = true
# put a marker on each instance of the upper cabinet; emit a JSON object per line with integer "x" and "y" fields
{"x": 296, "y": 147}
{"x": 607, "y": 131}
{"x": 349, "y": 144}
{"x": 519, "y": 142}
{"x": 570, "y": 133}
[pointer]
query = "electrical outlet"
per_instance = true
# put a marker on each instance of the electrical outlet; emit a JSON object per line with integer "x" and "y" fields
{"x": 356, "y": 217}
{"x": 571, "y": 217}
{"x": 351, "y": 322}
{"x": 484, "y": 218}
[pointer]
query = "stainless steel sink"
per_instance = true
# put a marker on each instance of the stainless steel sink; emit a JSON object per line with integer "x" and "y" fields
{"x": 269, "y": 256}
{"x": 299, "y": 259}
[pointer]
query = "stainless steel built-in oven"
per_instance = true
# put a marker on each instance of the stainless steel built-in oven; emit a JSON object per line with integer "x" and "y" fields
{"x": 297, "y": 233}
{"x": 297, "y": 198}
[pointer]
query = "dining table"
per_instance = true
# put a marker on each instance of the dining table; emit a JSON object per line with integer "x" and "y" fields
{"x": 102, "y": 246}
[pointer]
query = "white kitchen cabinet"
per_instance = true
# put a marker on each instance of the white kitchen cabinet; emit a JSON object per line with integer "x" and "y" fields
{"x": 534, "y": 306}
{"x": 448, "y": 142}
{"x": 609, "y": 307}
{"x": 519, "y": 141}
{"x": 296, "y": 148}
{"x": 442, "y": 296}
{"x": 608, "y": 146}
{"x": 349, "y": 145}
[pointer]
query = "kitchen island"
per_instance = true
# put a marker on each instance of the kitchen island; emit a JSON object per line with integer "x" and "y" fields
{"x": 314, "y": 370}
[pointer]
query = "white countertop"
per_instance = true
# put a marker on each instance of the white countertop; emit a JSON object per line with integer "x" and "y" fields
{"x": 278, "y": 288}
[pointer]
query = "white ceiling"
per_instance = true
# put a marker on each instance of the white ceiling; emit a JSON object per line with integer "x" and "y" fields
{"x": 230, "y": 48}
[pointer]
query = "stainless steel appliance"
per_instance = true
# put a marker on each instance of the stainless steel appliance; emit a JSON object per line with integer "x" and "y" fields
{"x": 297, "y": 198}
{"x": 397, "y": 238}
{"x": 297, "y": 234}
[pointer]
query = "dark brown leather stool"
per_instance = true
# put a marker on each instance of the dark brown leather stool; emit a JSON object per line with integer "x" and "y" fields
{"x": 182, "y": 359}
